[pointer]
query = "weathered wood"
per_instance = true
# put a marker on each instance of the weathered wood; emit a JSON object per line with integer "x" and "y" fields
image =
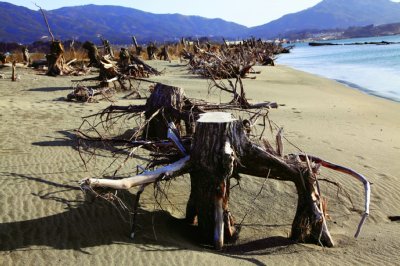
{"x": 170, "y": 101}
{"x": 26, "y": 56}
{"x": 55, "y": 60}
{"x": 93, "y": 53}
{"x": 164, "y": 55}
{"x": 137, "y": 47}
{"x": 142, "y": 179}
{"x": 14, "y": 71}
{"x": 151, "y": 51}
{"x": 213, "y": 164}
{"x": 107, "y": 48}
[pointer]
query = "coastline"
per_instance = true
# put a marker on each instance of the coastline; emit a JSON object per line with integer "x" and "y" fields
{"x": 44, "y": 220}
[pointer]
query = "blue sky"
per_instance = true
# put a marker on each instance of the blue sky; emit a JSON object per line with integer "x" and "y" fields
{"x": 245, "y": 12}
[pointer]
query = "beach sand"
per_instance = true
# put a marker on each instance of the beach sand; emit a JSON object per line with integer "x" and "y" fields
{"x": 45, "y": 221}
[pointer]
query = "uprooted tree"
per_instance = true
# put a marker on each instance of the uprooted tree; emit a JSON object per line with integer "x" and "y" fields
{"x": 214, "y": 148}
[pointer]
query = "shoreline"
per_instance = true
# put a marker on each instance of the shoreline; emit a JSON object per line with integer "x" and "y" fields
{"x": 45, "y": 221}
{"x": 348, "y": 84}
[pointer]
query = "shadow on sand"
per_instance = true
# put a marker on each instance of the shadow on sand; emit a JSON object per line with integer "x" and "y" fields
{"x": 50, "y": 89}
{"x": 95, "y": 223}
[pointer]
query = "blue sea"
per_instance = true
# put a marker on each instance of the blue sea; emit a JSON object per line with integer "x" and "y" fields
{"x": 374, "y": 69}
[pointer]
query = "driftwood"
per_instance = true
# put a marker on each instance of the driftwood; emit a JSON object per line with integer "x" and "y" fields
{"x": 231, "y": 60}
{"x": 85, "y": 94}
{"x": 220, "y": 150}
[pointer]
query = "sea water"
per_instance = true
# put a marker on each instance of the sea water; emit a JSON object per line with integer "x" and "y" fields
{"x": 374, "y": 69}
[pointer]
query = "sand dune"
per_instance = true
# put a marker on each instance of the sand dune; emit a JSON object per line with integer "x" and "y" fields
{"x": 44, "y": 220}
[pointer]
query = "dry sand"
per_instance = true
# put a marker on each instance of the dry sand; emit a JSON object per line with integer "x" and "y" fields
{"x": 44, "y": 221}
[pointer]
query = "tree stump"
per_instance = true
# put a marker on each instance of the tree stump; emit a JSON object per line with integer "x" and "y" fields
{"x": 93, "y": 54}
{"x": 221, "y": 150}
{"x": 168, "y": 101}
{"x": 14, "y": 71}
{"x": 55, "y": 60}
{"x": 213, "y": 166}
{"x": 151, "y": 51}
{"x": 26, "y": 56}
{"x": 137, "y": 47}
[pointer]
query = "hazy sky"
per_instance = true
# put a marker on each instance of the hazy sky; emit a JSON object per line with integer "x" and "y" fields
{"x": 245, "y": 12}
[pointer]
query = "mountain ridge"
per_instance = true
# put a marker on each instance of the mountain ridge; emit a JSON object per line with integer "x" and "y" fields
{"x": 118, "y": 24}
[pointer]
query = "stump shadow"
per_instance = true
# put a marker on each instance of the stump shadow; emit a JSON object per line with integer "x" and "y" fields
{"x": 50, "y": 89}
{"x": 89, "y": 223}
{"x": 86, "y": 224}
{"x": 69, "y": 139}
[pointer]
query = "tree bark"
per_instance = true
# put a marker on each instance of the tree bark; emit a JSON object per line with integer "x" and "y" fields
{"x": 14, "y": 71}
{"x": 169, "y": 101}
{"x": 93, "y": 53}
{"x": 213, "y": 166}
{"x": 55, "y": 60}
{"x": 220, "y": 150}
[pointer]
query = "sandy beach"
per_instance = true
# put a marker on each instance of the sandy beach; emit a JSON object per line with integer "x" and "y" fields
{"x": 44, "y": 219}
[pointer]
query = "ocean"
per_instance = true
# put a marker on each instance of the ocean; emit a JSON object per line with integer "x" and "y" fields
{"x": 373, "y": 69}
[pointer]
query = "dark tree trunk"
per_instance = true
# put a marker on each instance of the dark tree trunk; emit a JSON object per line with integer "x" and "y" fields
{"x": 14, "y": 71}
{"x": 25, "y": 55}
{"x": 220, "y": 150}
{"x": 93, "y": 54}
{"x": 137, "y": 47}
{"x": 169, "y": 102}
{"x": 55, "y": 60}
{"x": 212, "y": 152}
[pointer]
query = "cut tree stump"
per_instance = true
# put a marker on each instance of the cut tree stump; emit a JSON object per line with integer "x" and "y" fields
{"x": 220, "y": 151}
{"x": 213, "y": 164}
{"x": 168, "y": 101}
{"x": 14, "y": 71}
{"x": 55, "y": 60}
{"x": 93, "y": 54}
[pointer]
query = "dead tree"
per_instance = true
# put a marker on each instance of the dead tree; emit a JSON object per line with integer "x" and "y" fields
{"x": 3, "y": 58}
{"x": 137, "y": 47}
{"x": 107, "y": 48}
{"x": 25, "y": 56}
{"x": 124, "y": 58}
{"x": 14, "y": 71}
{"x": 55, "y": 60}
{"x": 168, "y": 102}
{"x": 151, "y": 51}
{"x": 164, "y": 54}
{"x": 93, "y": 54}
{"x": 220, "y": 150}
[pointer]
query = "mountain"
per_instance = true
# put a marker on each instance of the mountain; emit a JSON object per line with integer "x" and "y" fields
{"x": 115, "y": 23}
{"x": 118, "y": 24}
{"x": 332, "y": 14}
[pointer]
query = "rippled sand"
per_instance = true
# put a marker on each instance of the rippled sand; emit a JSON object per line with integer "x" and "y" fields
{"x": 44, "y": 220}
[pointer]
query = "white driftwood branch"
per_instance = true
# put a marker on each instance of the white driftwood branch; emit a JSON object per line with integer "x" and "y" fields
{"x": 144, "y": 178}
{"x": 360, "y": 177}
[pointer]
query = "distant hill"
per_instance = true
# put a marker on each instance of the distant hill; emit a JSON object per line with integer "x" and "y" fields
{"x": 113, "y": 22}
{"x": 332, "y": 14}
{"x": 371, "y": 30}
{"x": 118, "y": 24}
